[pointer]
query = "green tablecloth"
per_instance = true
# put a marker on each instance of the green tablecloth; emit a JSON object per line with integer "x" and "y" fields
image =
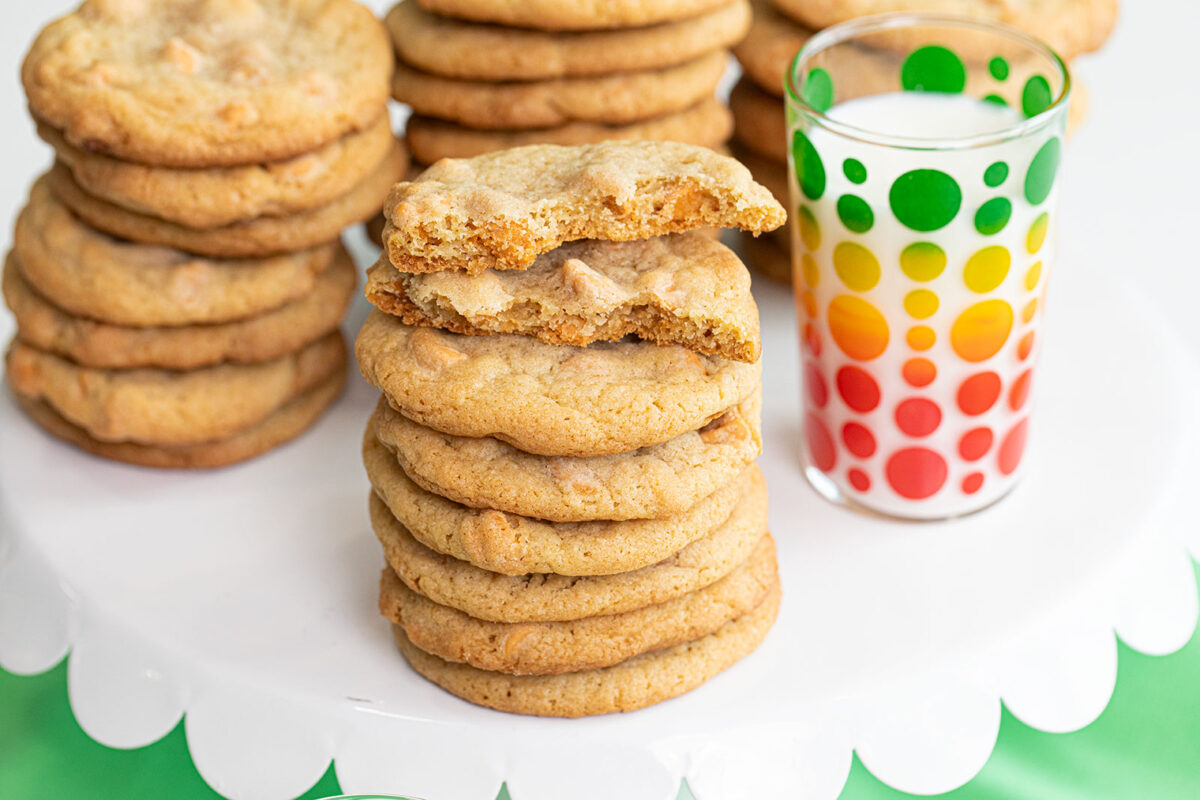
{"x": 1145, "y": 745}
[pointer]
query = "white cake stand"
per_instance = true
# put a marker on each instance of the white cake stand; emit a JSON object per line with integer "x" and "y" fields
{"x": 245, "y": 599}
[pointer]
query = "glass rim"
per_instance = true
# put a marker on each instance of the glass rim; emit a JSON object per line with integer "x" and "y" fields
{"x": 844, "y": 31}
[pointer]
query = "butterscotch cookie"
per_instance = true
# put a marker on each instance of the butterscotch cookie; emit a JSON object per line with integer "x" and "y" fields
{"x": 214, "y": 83}
{"x": 260, "y": 338}
{"x": 550, "y": 598}
{"x": 553, "y": 400}
{"x": 636, "y": 683}
{"x": 163, "y": 407}
{"x": 216, "y": 196}
{"x": 684, "y": 289}
{"x": 656, "y": 482}
{"x": 550, "y": 648}
{"x": 91, "y": 274}
{"x": 455, "y": 48}
{"x": 707, "y": 123}
{"x": 1071, "y": 27}
{"x": 611, "y": 99}
{"x": 514, "y": 545}
{"x": 556, "y": 15}
{"x": 256, "y": 237}
{"x": 769, "y": 47}
{"x": 758, "y": 122}
{"x": 282, "y": 425}
{"x": 773, "y": 175}
{"x": 501, "y": 210}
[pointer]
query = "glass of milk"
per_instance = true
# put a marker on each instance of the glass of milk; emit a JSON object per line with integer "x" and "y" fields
{"x": 924, "y": 168}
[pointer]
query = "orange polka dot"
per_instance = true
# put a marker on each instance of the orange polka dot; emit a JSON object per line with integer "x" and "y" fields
{"x": 808, "y": 303}
{"x": 920, "y": 337}
{"x": 918, "y": 372}
{"x": 1033, "y": 276}
{"x": 1028, "y": 312}
{"x": 812, "y": 339}
{"x": 857, "y": 327}
{"x": 1025, "y": 346}
{"x": 981, "y": 330}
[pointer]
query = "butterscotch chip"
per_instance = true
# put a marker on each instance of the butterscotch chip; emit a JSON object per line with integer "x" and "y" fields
{"x": 552, "y": 598}
{"x": 708, "y": 123}
{"x": 610, "y": 99}
{"x": 212, "y": 83}
{"x": 684, "y": 289}
{"x": 656, "y": 482}
{"x": 257, "y": 237}
{"x": 94, "y": 275}
{"x": 758, "y": 121}
{"x": 636, "y": 683}
{"x": 260, "y": 338}
{"x": 282, "y": 425}
{"x": 1071, "y": 27}
{"x": 216, "y": 196}
{"x": 456, "y": 48}
{"x": 556, "y": 15}
{"x": 502, "y": 210}
{"x": 167, "y": 407}
{"x": 554, "y": 400}
{"x": 550, "y": 648}
{"x": 511, "y": 544}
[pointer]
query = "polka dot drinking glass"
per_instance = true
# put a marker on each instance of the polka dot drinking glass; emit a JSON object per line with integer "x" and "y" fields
{"x": 923, "y": 160}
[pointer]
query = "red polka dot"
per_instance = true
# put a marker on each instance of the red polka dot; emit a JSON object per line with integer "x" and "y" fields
{"x": 820, "y": 443}
{"x": 858, "y": 389}
{"x": 918, "y": 416}
{"x": 975, "y": 443}
{"x": 916, "y": 472}
{"x": 978, "y": 393}
{"x": 859, "y": 479}
{"x": 972, "y": 483}
{"x": 818, "y": 390}
{"x": 812, "y": 339}
{"x": 1012, "y": 448}
{"x": 1025, "y": 346}
{"x": 859, "y": 439}
{"x": 1019, "y": 392}
{"x": 919, "y": 372}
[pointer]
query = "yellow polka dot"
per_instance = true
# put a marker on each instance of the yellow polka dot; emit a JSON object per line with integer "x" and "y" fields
{"x": 1029, "y": 310}
{"x": 921, "y": 303}
{"x": 856, "y": 266}
{"x": 810, "y": 231}
{"x": 857, "y": 327}
{"x": 809, "y": 303}
{"x": 981, "y": 330}
{"x": 922, "y": 261}
{"x": 986, "y": 269}
{"x": 809, "y": 271}
{"x": 920, "y": 337}
{"x": 1037, "y": 233}
{"x": 1033, "y": 276}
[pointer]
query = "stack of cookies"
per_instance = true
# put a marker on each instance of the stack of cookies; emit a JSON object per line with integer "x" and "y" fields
{"x": 781, "y": 27}
{"x": 482, "y": 75}
{"x": 176, "y": 276}
{"x": 563, "y": 454}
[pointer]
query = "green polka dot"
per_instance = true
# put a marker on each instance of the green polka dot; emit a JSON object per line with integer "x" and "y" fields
{"x": 922, "y": 261}
{"x": 818, "y": 90}
{"x": 809, "y": 169}
{"x": 1035, "y": 97}
{"x": 996, "y": 174}
{"x": 810, "y": 231}
{"x": 856, "y": 266}
{"x": 993, "y": 215}
{"x": 999, "y": 68}
{"x": 933, "y": 68}
{"x": 925, "y": 199}
{"x": 855, "y": 214}
{"x": 1039, "y": 180}
{"x": 854, "y": 170}
{"x": 995, "y": 99}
